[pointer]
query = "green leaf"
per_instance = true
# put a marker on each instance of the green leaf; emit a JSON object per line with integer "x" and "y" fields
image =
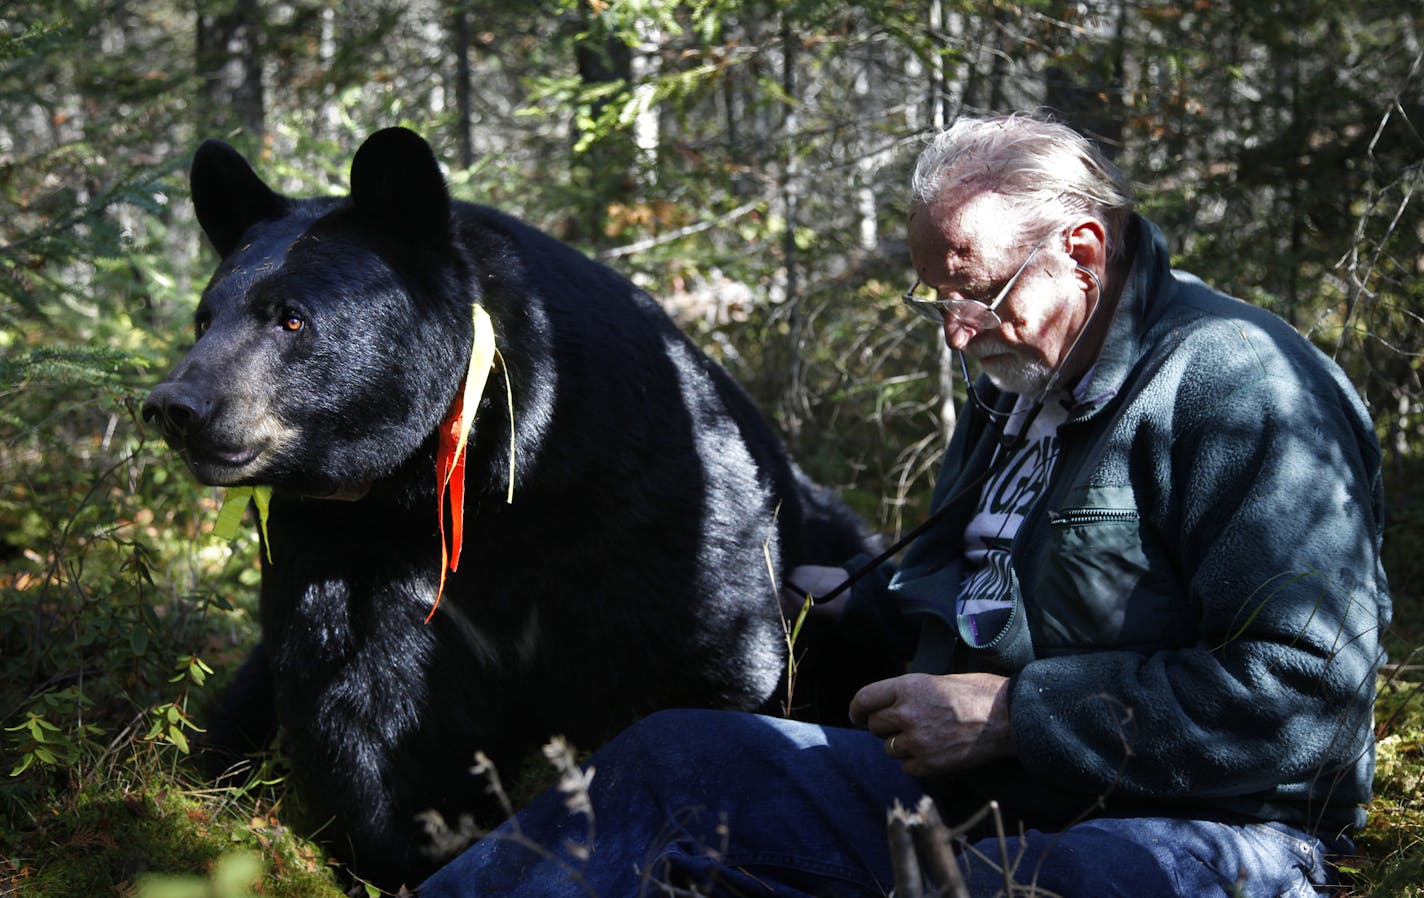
{"x": 175, "y": 735}
{"x": 235, "y": 502}
{"x": 230, "y": 515}
{"x": 800, "y": 620}
{"x": 262, "y": 498}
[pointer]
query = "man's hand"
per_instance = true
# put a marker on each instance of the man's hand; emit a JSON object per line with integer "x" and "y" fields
{"x": 938, "y": 724}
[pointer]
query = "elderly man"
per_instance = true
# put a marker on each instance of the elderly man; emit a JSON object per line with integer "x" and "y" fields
{"x": 1145, "y": 618}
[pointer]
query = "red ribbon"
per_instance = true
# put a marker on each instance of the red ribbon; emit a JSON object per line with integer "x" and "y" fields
{"x": 450, "y": 476}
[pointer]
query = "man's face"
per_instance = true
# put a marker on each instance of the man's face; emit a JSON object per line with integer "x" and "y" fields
{"x": 968, "y": 248}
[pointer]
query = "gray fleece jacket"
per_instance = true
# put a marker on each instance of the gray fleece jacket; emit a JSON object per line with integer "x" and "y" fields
{"x": 1199, "y": 595}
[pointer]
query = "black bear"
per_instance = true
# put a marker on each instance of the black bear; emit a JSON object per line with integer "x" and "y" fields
{"x": 628, "y": 573}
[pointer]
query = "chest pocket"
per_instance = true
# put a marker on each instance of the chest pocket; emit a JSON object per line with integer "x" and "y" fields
{"x": 1106, "y": 582}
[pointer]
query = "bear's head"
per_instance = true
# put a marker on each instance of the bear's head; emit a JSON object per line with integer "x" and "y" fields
{"x": 332, "y": 337}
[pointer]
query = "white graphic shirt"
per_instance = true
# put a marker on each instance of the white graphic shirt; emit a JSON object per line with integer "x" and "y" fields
{"x": 985, "y": 592}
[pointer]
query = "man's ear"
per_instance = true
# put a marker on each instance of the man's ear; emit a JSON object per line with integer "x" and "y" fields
{"x": 228, "y": 196}
{"x": 1088, "y": 245}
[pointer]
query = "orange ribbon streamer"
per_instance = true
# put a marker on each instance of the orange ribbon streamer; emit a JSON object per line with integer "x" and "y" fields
{"x": 450, "y": 477}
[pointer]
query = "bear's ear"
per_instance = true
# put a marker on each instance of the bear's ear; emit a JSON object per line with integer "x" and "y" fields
{"x": 396, "y": 180}
{"x": 228, "y": 196}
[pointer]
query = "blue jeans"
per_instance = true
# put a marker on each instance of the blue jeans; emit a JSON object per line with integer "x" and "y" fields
{"x": 721, "y": 803}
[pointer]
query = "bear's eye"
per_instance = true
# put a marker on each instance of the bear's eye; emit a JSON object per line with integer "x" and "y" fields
{"x": 292, "y": 321}
{"x": 201, "y": 325}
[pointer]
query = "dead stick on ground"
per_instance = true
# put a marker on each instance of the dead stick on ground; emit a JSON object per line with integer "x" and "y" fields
{"x": 935, "y": 842}
{"x": 908, "y": 881}
{"x": 921, "y": 849}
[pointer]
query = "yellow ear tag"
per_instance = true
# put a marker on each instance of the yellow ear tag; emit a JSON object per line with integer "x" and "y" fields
{"x": 453, "y": 442}
{"x": 509, "y": 394}
{"x": 234, "y": 504}
{"x": 482, "y": 354}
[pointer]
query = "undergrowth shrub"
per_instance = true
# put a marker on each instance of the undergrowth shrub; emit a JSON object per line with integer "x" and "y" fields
{"x": 116, "y": 608}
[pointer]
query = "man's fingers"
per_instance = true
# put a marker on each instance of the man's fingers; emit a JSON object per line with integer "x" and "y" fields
{"x": 887, "y": 722}
{"x": 866, "y": 702}
{"x": 872, "y": 698}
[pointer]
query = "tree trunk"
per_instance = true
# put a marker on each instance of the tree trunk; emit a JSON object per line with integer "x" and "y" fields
{"x": 605, "y": 166}
{"x": 794, "y": 402}
{"x": 464, "y": 115}
{"x": 647, "y": 131}
{"x": 945, "y": 100}
{"x": 229, "y": 62}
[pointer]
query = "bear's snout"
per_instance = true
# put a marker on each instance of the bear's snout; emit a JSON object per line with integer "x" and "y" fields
{"x": 178, "y": 409}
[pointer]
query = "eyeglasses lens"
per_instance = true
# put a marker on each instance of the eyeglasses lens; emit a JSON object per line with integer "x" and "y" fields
{"x": 967, "y": 312}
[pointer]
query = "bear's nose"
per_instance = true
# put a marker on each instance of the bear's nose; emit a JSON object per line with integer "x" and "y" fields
{"x": 177, "y": 409}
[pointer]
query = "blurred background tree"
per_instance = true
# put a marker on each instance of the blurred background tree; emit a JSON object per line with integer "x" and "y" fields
{"x": 744, "y": 160}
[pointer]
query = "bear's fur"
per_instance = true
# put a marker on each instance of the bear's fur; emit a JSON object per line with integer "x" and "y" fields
{"x": 627, "y": 575}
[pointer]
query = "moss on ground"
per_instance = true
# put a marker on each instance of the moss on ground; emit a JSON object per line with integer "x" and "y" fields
{"x": 154, "y": 842}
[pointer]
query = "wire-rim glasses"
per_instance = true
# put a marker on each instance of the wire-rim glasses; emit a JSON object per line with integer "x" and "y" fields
{"x": 967, "y": 312}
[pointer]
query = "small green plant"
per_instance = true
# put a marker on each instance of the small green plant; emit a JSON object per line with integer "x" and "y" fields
{"x": 171, "y": 720}
{"x": 55, "y": 747}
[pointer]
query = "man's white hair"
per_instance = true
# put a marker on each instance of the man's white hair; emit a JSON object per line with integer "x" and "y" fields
{"x": 1048, "y": 171}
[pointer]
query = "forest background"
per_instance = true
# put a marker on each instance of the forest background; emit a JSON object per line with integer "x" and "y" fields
{"x": 746, "y": 162}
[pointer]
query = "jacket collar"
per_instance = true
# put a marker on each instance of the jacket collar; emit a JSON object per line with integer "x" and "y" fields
{"x": 1143, "y": 300}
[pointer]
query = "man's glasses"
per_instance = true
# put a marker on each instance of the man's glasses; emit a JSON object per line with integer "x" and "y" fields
{"x": 967, "y": 312}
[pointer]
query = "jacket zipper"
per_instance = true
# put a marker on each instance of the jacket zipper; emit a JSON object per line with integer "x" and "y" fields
{"x": 1090, "y": 516}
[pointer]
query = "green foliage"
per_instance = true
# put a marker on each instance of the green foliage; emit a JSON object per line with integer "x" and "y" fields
{"x": 1393, "y": 843}
{"x": 171, "y": 720}
{"x": 116, "y": 607}
{"x": 59, "y": 195}
{"x": 37, "y": 739}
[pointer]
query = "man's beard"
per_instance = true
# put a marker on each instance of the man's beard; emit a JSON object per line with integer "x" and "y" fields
{"x": 1011, "y": 371}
